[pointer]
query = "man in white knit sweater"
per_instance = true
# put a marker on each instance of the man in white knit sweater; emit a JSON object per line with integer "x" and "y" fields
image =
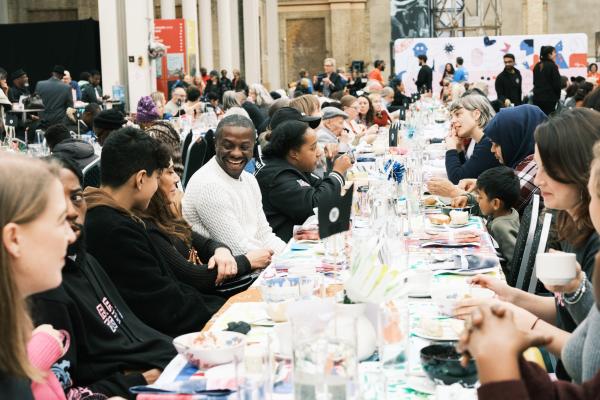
{"x": 223, "y": 201}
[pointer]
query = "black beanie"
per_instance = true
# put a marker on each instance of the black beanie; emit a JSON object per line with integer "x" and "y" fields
{"x": 109, "y": 119}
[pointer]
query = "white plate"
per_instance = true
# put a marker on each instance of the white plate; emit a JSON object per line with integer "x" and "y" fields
{"x": 419, "y": 295}
{"x": 448, "y": 333}
{"x": 421, "y": 384}
{"x": 464, "y": 272}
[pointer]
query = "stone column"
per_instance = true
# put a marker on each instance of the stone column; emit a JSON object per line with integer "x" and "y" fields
{"x": 189, "y": 11}
{"x": 235, "y": 36}
{"x": 225, "y": 40}
{"x": 533, "y": 17}
{"x": 205, "y": 30}
{"x": 252, "y": 54}
{"x": 112, "y": 50}
{"x": 273, "y": 66}
{"x": 139, "y": 19}
{"x": 3, "y": 11}
{"x": 167, "y": 9}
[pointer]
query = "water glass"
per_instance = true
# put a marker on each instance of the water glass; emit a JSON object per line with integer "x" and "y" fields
{"x": 335, "y": 249}
{"x": 393, "y": 331}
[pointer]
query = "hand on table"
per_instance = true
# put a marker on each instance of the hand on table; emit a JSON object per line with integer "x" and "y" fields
{"x": 442, "y": 187}
{"x": 151, "y": 375}
{"x": 491, "y": 331}
{"x": 225, "y": 263}
{"x": 259, "y": 258}
{"x": 460, "y": 201}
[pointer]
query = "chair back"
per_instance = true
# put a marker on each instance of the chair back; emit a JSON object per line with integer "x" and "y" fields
{"x": 196, "y": 155}
{"x": 91, "y": 174}
{"x": 524, "y": 241}
{"x": 545, "y": 232}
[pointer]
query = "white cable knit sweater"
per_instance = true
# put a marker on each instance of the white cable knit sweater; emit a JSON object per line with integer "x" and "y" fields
{"x": 228, "y": 210}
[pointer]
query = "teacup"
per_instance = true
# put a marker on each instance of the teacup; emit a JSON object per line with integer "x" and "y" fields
{"x": 556, "y": 269}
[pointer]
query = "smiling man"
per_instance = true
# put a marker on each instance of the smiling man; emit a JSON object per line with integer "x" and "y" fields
{"x": 224, "y": 202}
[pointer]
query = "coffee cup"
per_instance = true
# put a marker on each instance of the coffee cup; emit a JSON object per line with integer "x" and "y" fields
{"x": 556, "y": 269}
{"x": 420, "y": 283}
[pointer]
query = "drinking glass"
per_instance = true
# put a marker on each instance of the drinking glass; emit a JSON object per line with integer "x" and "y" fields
{"x": 393, "y": 331}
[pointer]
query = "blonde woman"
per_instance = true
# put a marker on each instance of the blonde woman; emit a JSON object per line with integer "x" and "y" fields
{"x": 308, "y": 104}
{"x": 34, "y": 239}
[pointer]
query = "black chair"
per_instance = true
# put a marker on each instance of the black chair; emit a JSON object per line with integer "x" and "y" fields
{"x": 196, "y": 155}
{"x": 524, "y": 243}
{"x": 91, "y": 174}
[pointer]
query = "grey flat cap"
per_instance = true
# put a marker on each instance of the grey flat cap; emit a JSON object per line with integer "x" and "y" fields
{"x": 332, "y": 112}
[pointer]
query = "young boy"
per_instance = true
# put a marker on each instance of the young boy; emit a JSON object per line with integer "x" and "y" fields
{"x": 498, "y": 191}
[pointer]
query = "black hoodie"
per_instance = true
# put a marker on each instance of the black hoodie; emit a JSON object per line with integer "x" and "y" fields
{"x": 107, "y": 338}
{"x": 120, "y": 242}
{"x": 82, "y": 153}
{"x": 289, "y": 196}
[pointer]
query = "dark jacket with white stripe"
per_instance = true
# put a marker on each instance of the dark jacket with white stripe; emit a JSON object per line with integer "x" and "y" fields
{"x": 289, "y": 196}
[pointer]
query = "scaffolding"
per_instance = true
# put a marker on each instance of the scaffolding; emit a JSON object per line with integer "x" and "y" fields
{"x": 466, "y": 17}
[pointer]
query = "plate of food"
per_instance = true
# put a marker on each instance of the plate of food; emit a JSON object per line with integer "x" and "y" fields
{"x": 440, "y": 329}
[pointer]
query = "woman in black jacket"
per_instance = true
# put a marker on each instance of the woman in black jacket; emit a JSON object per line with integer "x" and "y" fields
{"x": 546, "y": 81}
{"x": 289, "y": 189}
{"x": 196, "y": 260}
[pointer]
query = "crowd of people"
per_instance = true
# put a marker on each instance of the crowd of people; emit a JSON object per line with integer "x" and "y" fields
{"x": 98, "y": 278}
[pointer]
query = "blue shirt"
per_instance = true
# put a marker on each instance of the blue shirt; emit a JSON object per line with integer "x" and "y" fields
{"x": 460, "y": 75}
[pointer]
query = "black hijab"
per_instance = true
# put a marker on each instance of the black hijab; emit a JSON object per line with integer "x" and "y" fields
{"x": 512, "y": 129}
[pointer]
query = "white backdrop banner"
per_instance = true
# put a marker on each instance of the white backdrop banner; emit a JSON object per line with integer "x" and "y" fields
{"x": 483, "y": 57}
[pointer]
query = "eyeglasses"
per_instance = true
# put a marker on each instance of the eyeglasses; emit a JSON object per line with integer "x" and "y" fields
{"x": 328, "y": 65}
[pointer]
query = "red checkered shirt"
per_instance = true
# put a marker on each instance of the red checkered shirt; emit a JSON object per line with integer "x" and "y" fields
{"x": 526, "y": 171}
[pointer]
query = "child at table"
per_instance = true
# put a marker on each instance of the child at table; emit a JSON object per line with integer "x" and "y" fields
{"x": 496, "y": 193}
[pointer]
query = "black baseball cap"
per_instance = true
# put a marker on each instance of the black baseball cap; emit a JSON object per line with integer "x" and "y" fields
{"x": 291, "y": 114}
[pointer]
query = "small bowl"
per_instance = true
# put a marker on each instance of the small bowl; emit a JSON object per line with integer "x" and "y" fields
{"x": 442, "y": 364}
{"x": 229, "y": 345}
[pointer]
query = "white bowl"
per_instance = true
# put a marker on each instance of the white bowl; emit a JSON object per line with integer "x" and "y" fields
{"x": 556, "y": 269}
{"x": 229, "y": 345}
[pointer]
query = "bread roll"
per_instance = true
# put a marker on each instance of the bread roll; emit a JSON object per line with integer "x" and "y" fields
{"x": 439, "y": 219}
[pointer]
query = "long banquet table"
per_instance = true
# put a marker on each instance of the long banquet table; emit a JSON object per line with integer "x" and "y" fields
{"x": 407, "y": 382}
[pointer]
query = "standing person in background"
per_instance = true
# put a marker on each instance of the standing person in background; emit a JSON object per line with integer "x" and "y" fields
{"x": 448, "y": 74}
{"x": 225, "y": 81}
{"x": 508, "y": 83}
{"x": 75, "y": 89}
{"x": 460, "y": 73}
{"x": 238, "y": 84}
{"x": 92, "y": 93}
{"x": 56, "y": 97}
{"x": 20, "y": 86}
{"x": 330, "y": 81}
{"x": 425, "y": 76}
{"x": 375, "y": 74}
{"x": 546, "y": 81}
{"x": 214, "y": 85}
{"x": 593, "y": 73}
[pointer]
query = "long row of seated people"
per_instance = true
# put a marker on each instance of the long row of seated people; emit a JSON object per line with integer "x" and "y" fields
{"x": 141, "y": 266}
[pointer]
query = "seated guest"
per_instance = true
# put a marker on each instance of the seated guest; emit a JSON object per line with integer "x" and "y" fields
{"x": 149, "y": 119}
{"x": 332, "y": 128}
{"x": 34, "y": 235}
{"x": 83, "y": 125}
{"x": 564, "y": 155}
{"x": 380, "y": 115}
{"x": 106, "y": 122}
{"x": 470, "y": 115}
{"x": 497, "y": 193}
{"x": 196, "y": 260}
{"x": 511, "y": 132}
{"x": 132, "y": 162}
{"x": 222, "y": 201}
{"x": 61, "y": 143}
{"x": 365, "y": 111}
{"x": 107, "y": 338}
{"x": 175, "y": 106}
{"x": 289, "y": 189}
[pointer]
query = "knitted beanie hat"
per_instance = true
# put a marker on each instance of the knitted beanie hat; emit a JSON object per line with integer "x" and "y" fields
{"x": 109, "y": 119}
{"x": 146, "y": 110}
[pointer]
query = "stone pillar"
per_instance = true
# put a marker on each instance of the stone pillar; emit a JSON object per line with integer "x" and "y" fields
{"x": 205, "y": 30}
{"x": 533, "y": 17}
{"x": 273, "y": 66}
{"x": 189, "y": 11}
{"x": 138, "y": 23}
{"x": 235, "y": 36}
{"x": 3, "y": 11}
{"x": 167, "y": 9}
{"x": 252, "y": 54}
{"x": 225, "y": 41}
{"x": 112, "y": 50}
